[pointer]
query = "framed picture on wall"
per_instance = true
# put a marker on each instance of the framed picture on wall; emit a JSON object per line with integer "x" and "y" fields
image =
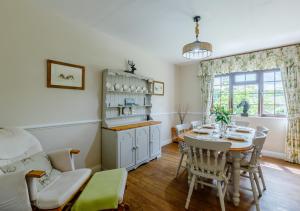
{"x": 158, "y": 88}
{"x": 64, "y": 75}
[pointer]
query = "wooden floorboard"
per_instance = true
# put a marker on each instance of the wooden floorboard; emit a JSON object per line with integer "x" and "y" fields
{"x": 153, "y": 187}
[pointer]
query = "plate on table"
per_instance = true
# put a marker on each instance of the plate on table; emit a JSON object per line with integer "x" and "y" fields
{"x": 202, "y": 131}
{"x": 208, "y": 126}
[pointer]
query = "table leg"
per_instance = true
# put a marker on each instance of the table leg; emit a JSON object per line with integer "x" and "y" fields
{"x": 236, "y": 180}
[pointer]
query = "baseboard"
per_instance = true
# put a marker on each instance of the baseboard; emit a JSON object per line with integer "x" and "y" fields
{"x": 166, "y": 141}
{"x": 96, "y": 168}
{"x": 272, "y": 154}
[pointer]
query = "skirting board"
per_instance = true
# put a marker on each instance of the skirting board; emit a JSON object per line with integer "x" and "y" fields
{"x": 272, "y": 154}
{"x": 165, "y": 142}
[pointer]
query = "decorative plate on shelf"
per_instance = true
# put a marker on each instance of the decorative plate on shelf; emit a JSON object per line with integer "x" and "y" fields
{"x": 132, "y": 88}
{"x": 118, "y": 87}
{"x": 126, "y": 88}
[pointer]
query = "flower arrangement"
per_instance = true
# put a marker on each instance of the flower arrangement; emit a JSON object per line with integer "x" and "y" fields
{"x": 222, "y": 115}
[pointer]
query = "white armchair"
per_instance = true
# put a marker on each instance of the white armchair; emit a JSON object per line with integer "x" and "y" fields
{"x": 52, "y": 179}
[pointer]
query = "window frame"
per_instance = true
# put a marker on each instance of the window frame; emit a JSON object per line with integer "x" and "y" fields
{"x": 259, "y": 82}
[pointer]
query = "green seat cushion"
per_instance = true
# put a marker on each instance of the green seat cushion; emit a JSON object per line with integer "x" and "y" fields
{"x": 102, "y": 191}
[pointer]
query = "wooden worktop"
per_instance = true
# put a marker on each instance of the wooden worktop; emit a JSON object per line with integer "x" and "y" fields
{"x": 131, "y": 126}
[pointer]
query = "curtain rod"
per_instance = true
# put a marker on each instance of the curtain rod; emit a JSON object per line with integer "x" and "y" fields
{"x": 248, "y": 52}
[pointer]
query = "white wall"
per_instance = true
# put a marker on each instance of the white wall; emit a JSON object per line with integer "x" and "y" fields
{"x": 188, "y": 89}
{"x": 30, "y": 35}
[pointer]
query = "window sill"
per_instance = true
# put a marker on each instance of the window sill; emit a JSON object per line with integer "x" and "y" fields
{"x": 260, "y": 117}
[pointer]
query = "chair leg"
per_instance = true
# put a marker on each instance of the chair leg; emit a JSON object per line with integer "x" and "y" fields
{"x": 221, "y": 196}
{"x": 261, "y": 177}
{"x": 179, "y": 165}
{"x": 257, "y": 184}
{"x": 254, "y": 190}
{"x": 187, "y": 203}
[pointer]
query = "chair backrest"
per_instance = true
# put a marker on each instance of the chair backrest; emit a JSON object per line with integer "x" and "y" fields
{"x": 181, "y": 128}
{"x": 17, "y": 144}
{"x": 258, "y": 142}
{"x": 195, "y": 124}
{"x": 242, "y": 123}
{"x": 262, "y": 129}
{"x": 207, "y": 157}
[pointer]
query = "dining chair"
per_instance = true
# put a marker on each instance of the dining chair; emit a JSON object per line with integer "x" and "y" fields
{"x": 264, "y": 130}
{"x": 181, "y": 129}
{"x": 251, "y": 165}
{"x": 195, "y": 124}
{"x": 207, "y": 159}
{"x": 242, "y": 123}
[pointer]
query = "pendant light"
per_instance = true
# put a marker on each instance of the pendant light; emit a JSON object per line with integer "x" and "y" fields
{"x": 197, "y": 49}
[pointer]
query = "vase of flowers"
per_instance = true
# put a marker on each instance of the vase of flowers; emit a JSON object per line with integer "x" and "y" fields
{"x": 223, "y": 117}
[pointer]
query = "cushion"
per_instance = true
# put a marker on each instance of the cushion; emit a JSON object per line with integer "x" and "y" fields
{"x": 38, "y": 161}
{"x": 14, "y": 194}
{"x": 104, "y": 191}
{"x": 62, "y": 189}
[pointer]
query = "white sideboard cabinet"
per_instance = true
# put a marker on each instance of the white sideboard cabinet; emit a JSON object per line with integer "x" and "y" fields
{"x": 129, "y": 146}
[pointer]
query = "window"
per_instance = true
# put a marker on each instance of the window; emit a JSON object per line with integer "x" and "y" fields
{"x": 261, "y": 89}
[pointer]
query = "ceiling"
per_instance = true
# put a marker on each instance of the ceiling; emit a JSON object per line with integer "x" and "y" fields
{"x": 162, "y": 27}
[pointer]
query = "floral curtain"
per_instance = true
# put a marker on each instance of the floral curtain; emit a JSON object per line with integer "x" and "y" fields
{"x": 287, "y": 59}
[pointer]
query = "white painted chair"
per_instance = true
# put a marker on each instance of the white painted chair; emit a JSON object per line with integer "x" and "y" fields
{"x": 242, "y": 123}
{"x": 180, "y": 129}
{"x": 264, "y": 130}
{"x": 207, "y": 159}
{"x": 21, "y": 150}
{"x": 195, "y": 124}
{"x": 251, "y": 165}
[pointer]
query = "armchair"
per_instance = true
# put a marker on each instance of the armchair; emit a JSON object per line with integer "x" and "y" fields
{"x": 52, "y": 179}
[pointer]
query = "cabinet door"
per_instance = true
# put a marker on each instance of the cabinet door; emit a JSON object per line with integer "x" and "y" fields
{"x": 142, "y": 144}
{"x": 155, "y": 133}
{"x": 126, "y": 150}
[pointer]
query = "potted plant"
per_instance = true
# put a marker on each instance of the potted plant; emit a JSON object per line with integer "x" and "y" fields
{"x": 223, "y": 117}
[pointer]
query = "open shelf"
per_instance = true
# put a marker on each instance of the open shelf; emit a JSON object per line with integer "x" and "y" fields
{"x": 125, "y": 92}
{"x": 128, "y": 106}
{"x": 127, "y": 116}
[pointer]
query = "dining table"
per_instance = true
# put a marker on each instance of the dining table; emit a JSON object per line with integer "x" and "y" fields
{"x": 241, "y": 139}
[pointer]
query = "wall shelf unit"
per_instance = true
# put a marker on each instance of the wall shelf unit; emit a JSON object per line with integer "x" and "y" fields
{"x": 126, "y": 98}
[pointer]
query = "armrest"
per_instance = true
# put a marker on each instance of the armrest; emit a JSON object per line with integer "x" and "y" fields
{"x": 74, "y": 151}
{"x": 35, "y": 174}
{"x": 63, "y": 160}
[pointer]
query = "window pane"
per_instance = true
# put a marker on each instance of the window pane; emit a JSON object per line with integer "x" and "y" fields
{"x": 269, "y": 87}
{"x": 268, "y": 109}
{"x": 225, "y": 90}
{"x": 269, "y": 76}
{"x": 237, "y": 99}
{"x": 238, "y": 90}
{"x": 253, "y": 88}
{"x": 268, "y": 99}
{"x": 280, "y": 109}
{"x": 217, "y": 81}
{"x": 253, "y": 110}
{"x": 251, "y": 77}
{"x": 240, "y": 78}
{"x": 279, "y": 99}
{"x": 252, "y": 98}
{"x": 225, "y": 80}
{"x": 278, "y": 85}
{"x": 278, "y": 76}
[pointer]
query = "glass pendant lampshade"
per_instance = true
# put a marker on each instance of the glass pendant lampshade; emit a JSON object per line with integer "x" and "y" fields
{"x": 197, "y": 49}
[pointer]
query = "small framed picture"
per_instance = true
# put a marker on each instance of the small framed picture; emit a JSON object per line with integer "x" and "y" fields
{"x": 158, "y": 88}
{"x": 64, "y": 75}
